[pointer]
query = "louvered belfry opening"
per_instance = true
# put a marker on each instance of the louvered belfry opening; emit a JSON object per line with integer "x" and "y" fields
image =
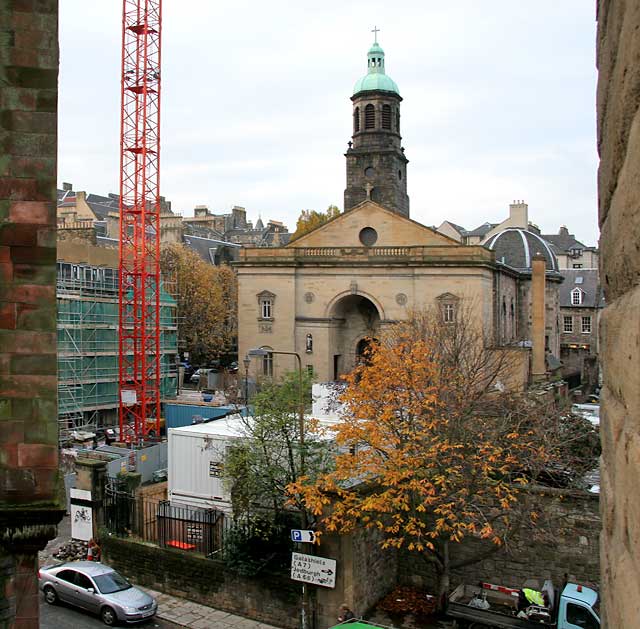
{"x": 386, "y": 117}
{"x": 369, "y": 117}
{"x": 356, "y": 120}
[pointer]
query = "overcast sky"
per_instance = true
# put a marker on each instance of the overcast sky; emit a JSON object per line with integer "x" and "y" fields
{"x": 499, "y": 104}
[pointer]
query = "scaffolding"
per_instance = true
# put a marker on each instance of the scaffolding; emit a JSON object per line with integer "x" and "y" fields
{"x": 88, "y": 369}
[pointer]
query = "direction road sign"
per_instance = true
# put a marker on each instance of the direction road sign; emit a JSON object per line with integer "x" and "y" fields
{"x": 303, "y": 536}
{"x": 311, "y": 569}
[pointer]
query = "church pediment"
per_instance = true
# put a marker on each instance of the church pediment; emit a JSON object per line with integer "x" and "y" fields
{"x": 265, "y": 295}
{"x": 447, "y": 297}
{"x": 371, "y": 225}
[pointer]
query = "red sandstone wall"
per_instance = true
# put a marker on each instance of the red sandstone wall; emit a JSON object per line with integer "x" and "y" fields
{"x": 29, "y": 488}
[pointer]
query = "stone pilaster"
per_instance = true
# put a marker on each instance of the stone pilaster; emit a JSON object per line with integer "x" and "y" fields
{"x": 538, "y": 280}
{"x": 619, "y": 199}
{"x": 31, "y": 498}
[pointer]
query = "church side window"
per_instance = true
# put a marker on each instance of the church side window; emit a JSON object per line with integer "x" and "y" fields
{"x": 448, "y": 313}
{"x": 386, "y": 117}
{"x": 356, "y": 120}
{"x": 267, "y": 363}
{"x": 513, "y": 320}
{"x": 369, "y": 117}
{"x": 266, "y": 303}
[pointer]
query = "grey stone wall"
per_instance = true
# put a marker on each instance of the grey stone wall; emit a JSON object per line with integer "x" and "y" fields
{"x": 618, "y": 104}
{"x": 365, "y": 573}
{"x": 572, "y": 548}
{"x": 272, "y": 599}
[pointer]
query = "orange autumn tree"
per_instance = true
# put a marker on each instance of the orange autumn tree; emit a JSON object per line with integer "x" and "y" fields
{"x": 427, "y": 461}
{"x": 207, "y": 302}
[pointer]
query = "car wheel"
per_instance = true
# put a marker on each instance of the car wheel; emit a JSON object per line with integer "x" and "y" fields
{"x": 108, "y": 616}
{"x": 50, "y": 595}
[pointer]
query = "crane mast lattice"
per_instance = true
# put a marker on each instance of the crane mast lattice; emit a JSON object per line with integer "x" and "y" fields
{"x": 139, "y": 288}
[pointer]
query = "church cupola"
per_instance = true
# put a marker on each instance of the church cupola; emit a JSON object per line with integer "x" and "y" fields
{"x": 376, "y": 164}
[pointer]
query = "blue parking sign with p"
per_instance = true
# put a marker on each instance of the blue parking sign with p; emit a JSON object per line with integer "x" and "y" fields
{"x": 298, "y": 535}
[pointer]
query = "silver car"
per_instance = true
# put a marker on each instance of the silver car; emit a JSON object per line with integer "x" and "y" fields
{"x": 96, "y": 588}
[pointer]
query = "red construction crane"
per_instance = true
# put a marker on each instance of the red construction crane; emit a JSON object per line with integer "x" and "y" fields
{"x": 139, "y": 316}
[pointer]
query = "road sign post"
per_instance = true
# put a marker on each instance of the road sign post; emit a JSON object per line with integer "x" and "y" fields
{"x": 312, "y": 569}
{"x": 303, "y": 536}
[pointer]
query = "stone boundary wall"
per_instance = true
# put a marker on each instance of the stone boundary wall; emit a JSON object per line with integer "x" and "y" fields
{"x": 618, "y": 105}
{"x": 270, "y": 598}
{"x": 365, "y": 573}
{"x": 574, "y": 551}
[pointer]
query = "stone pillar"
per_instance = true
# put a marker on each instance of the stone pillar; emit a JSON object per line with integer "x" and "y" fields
{"x": 31, "y": 488}
{"x": 365, "y": 573}
{"x": 91, "y": 475}
{"x": 618, "y": 202}
{"x": 538, "y": 366}
{"x": 26, "y": 584}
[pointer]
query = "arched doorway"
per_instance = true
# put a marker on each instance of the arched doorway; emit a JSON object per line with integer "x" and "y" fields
{"x": 363, "y": 350}
{"x": 355, "y": 320}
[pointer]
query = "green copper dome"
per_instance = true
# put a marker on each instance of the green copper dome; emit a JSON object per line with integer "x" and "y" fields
{"x": 376, "y": 79}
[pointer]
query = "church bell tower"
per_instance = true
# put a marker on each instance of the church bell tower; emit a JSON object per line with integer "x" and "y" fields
{"x": 376, "y": 164}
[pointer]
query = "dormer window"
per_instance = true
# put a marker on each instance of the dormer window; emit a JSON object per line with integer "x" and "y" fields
{"x": 576, "y": 297}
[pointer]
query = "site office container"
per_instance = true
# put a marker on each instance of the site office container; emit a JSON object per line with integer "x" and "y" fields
{"x": 196, "y": 461}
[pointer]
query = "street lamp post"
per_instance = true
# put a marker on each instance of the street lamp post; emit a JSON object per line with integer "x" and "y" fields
{"x": 263, "y": 353}
{"x": 247, "y": 362}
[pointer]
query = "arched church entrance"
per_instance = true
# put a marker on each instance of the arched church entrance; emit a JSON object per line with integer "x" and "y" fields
{"x": 363, "y": 350}
{"x": 356, "y": 321}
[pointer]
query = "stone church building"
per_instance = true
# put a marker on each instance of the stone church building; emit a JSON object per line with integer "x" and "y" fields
{"x": 325, "y": 293}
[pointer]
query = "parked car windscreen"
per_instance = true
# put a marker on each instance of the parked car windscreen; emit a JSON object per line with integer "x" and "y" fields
{"x": 111, "y": 582}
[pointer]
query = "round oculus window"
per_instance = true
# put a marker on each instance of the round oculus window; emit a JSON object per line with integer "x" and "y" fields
{"x": 369, "y": 172}
{"x": 368, "y": 236}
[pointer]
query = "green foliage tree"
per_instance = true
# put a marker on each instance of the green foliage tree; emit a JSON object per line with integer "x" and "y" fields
{"x": 311, "y": 219}
{"x": 207, "y": 302}
{"x": 270, "y": 454}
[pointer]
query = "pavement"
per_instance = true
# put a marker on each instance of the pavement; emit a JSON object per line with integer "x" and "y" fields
{"x": 172, "y": 609}
{"x": 185, "y": 613}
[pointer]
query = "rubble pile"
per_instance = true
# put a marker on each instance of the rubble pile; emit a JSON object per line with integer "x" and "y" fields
{"x": 73, "y": 550}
